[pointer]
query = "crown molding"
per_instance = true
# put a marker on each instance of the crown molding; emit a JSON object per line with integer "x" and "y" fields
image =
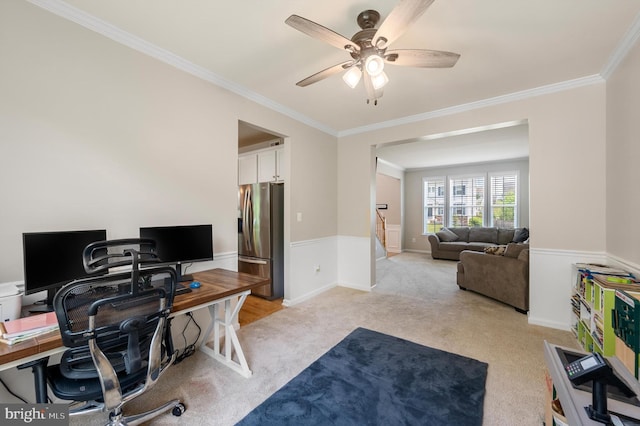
{"x": 512, "y": 97}
{"x": 622, "y": 49}
{"x": 65, "y": 10}
{"x": 620, "y": 52}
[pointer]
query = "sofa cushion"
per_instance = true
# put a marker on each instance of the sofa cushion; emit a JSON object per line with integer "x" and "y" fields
{"x": 483, "y": 235}
{"x": 461, "y": 231}
{"x": 495, "y": 250}
{"x": 454, "y": 246}
{"x": 447, "y": 235}
{"x": 520, "y": 235}
{"x": 505, "y": 235}
{"x": 514, "y": 249}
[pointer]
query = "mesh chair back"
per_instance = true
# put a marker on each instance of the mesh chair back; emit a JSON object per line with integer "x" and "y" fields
{"x": 112, "y": 299}
{"x": 102, "y": 256}
{"x": 116, "y": 327}
{"x": 119, "y": 311}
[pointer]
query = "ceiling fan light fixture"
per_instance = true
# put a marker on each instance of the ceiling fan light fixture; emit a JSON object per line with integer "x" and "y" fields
{"x": 368, "y": 47}
{"x": 379, "y": 81}
{"x": 352, "y": 77}
{"x": 374, "y": 65}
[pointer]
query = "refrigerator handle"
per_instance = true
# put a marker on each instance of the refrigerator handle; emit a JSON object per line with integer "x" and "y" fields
{"x": 247, "y": 222}
{"x": 249, "y": 260}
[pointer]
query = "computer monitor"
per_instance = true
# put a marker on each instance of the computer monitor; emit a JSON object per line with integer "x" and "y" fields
{"x": 53, "y": 259}
{"x": 176, "y": 245}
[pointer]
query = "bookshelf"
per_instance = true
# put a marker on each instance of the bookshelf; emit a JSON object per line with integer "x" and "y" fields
{"x": 592, "y": 303}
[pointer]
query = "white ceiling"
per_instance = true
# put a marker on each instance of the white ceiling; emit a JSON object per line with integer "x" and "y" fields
{"x": 506, "y": 47}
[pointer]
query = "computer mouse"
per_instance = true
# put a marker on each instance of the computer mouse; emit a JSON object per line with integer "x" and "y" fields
{"x": 195, "y": 284}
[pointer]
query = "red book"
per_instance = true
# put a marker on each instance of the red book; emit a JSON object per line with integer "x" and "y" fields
{"x": 29, "y": 325}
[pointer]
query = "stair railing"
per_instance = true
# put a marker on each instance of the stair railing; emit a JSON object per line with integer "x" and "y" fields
{"x": 381, "y": 228}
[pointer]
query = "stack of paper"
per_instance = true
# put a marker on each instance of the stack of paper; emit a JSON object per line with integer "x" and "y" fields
{"x": 19, "y": 330}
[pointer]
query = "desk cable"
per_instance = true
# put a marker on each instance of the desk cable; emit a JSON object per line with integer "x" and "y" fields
{"x": 188, "y": 349}
{"x": 13, "y": 393}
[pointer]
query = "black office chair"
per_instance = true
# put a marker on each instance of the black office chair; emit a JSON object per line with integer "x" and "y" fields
{"x": 116, "y": 328}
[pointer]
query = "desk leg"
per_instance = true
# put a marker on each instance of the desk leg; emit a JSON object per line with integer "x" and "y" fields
{"x": 231, "y": 342}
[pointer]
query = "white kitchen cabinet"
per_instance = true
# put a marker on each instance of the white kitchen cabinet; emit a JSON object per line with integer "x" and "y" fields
{"x": 261, "y": 166}
{"x": 247, "y": 169}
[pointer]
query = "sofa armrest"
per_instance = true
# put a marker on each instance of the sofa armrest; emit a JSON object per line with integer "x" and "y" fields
{"x": 524, "y": 255}
{"x": 514, "y": 249}
{"x": 434, "y": 241}
{"x": 500, "y": 277}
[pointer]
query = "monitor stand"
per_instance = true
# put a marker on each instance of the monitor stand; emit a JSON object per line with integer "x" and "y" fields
{"x": 41, "y": 309}
{"x": 46, "y": 305}
{"x": 182, "y": 278}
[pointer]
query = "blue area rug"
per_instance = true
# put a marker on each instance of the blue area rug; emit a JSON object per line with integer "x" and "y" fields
{"x": 370, "y": 378}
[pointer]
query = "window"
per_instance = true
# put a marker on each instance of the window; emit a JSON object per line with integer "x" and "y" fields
{"x": 504, "y": 200}
{"x": 467, "y": 201}
{"x": 434, "y": 204}
{"x": 459, "y": 189}
{"x": 485, "y": 199}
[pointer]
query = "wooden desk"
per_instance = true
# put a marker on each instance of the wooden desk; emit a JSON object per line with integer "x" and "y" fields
{"x": 219, "y": 288}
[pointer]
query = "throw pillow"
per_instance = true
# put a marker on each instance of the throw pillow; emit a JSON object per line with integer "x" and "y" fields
{"x": 520, "y": 235}
{"x": 496, "y": 250}
{"x": 446, "y": 235}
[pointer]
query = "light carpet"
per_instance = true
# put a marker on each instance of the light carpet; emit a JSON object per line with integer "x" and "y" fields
{"x": 416, "y": 299}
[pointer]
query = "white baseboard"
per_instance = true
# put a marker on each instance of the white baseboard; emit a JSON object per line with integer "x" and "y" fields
{"x": 550, "y": 324}
{"x": 357, "y": 287}
{"x": 418, "y": 251}
{"x": 307, "y": 296}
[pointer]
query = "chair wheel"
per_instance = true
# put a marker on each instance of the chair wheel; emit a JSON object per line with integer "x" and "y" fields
{"x": 178, "y": 409}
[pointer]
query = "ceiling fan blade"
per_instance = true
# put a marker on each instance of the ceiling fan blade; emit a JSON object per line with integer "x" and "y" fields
{"x": 421, "y": 58}
{"x": 404, "y": 14}
{"x": 321, "y": 33}
{"x": 325, "y": 73}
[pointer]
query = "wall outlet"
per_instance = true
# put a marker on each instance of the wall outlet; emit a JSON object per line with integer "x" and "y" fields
{"x": 413, "y": 240}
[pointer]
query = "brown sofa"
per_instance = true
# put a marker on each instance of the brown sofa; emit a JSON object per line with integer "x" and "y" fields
{"x": 501, "y": 277}
{"x": 448, "y": 243}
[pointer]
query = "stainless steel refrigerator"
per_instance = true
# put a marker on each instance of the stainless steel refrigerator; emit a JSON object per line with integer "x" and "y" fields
{"x": 261, "y": 236}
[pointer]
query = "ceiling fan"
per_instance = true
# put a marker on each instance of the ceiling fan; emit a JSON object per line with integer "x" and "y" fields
{"x": 368, "y": 47}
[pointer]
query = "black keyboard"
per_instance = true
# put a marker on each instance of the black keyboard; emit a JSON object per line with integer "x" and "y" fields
{"x": 182, "y": 289}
